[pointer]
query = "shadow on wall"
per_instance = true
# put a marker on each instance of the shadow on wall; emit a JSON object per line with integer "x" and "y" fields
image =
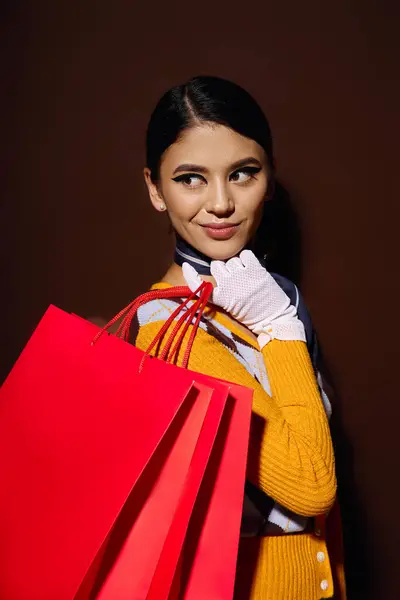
{"x": 357, "y": 541}
{"x": 279, "y": 238}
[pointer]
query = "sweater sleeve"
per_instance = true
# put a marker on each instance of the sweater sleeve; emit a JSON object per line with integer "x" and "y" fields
{"x": 290, "y": 450}
{"x": 296, "y": 456}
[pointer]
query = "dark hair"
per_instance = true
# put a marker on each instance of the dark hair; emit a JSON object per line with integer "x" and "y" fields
{"x": 207, "y": 99}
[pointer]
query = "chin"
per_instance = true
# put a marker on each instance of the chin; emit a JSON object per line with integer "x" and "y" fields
{"x": 222, "y": 250}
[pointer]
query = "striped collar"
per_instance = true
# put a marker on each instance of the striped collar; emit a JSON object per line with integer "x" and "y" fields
{"x": 184, "y": 252}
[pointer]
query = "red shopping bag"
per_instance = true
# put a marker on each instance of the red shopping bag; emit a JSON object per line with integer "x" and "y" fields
{"x": 208, "y": 559}
{"x": 89, "y": 434}
{"x": 211, "y": 546}
{"x": 138, "y": 539}
{"x": 208, "y": 562}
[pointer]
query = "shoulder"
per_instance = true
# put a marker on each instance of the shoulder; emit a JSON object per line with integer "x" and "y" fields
{"x": 156, "y": 310}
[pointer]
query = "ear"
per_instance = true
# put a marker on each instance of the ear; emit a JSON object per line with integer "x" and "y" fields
{"x": 154, "y": 191}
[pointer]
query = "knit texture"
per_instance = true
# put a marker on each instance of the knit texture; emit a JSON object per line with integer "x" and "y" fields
{"x": 290, "y": 458}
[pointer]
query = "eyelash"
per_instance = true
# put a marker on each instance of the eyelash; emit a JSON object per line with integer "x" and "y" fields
{"x": 252, "y": 171}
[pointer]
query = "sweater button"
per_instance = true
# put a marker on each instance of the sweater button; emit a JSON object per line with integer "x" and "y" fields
{"x": 324, "y": 585}
{"x": 320, "y": 556}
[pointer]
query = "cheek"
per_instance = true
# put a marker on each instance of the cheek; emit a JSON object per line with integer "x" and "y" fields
{"x": 251, "y": 205}
{"x": 182, "y": 205}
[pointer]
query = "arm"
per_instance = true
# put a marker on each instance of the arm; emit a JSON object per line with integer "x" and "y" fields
{"x": 296, "y": 456}
{"x": 295, "y": 459}
{"x": 290, "y": 452}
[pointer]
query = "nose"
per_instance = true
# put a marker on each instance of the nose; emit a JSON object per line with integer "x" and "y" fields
{"x": 220, "y": 203}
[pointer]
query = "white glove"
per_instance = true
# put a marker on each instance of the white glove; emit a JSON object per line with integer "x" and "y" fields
{"x": 251, "y": 296}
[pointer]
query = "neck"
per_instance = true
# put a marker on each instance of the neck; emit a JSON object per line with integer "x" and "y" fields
{"x": 174, "y": 276}
{"x": 184, "y": 252}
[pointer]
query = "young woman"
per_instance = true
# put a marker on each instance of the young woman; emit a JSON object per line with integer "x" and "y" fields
{"x": 210, "y": 167}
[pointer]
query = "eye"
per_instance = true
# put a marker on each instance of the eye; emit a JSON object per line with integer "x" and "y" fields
{"x": 190, "y": 180}
{"x": 244, "y": 175}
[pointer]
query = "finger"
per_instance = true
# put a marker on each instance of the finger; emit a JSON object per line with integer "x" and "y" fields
{"x": 234, "y": 264}
{"x": 191, "y": 276}
{"x": 249, "y": 260}
{"x": 218, "y": 270}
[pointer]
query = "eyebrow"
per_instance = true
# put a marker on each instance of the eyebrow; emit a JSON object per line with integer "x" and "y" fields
{"x": 199, "y": 169}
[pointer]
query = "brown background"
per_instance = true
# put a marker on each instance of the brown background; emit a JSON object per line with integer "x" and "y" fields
{"x": 79, "y": 82}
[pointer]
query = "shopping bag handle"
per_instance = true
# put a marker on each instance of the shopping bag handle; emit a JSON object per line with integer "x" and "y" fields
{"x": 186, "y": 320}
{"x": 200, "y": 297}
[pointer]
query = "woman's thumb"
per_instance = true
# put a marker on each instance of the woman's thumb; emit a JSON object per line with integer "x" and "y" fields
{"x": 191, "y": 276}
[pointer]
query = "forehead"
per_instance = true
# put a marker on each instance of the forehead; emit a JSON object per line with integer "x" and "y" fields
{"x": 212, "y": 146}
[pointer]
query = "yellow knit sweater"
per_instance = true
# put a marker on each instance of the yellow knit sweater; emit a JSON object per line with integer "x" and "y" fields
{"x": 290, "y": 458}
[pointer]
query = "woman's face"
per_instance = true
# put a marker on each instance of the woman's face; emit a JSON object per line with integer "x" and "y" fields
{"x": 213, "y": 183}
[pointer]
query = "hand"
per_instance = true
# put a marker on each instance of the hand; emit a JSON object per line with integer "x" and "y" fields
{"x": 251, "y": 296}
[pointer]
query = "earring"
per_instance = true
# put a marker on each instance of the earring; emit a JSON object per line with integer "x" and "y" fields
{"x": 162, "y": 206}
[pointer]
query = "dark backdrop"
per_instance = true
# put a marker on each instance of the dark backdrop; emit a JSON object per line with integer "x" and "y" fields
{"x": 79, "y": 81}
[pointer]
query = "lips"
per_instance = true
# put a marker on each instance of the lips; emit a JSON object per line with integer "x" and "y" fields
{"x": 220, "y": 231}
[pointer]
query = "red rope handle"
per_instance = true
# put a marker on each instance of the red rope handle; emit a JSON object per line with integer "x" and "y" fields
{"x": 186, "y": 319}
{"x": 113, "y": 320}
{"x": 169, "y": 322}
{"x": 199, "y": 308}
{"x": 208, "y": 291}
{"x": 176, "y": 292}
